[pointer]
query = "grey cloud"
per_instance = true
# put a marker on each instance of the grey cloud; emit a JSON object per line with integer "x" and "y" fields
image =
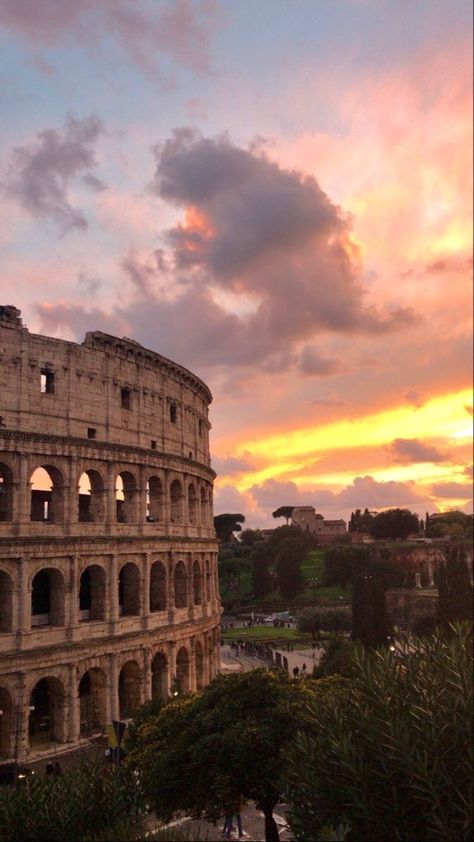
{"x": 413, "y": 450}
{"x": 230, "y": 465}
{"x": 313, "y": 362}
{"x": 269, "y": 232}
{"x": 144, "y": 30}
{"x": 93, "y": 182}
{"x": 456, "y": 490}
{"x": 40, "y": 175}
{"x": 77, "y": 319}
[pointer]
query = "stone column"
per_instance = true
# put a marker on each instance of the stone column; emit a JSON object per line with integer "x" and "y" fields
{"x": 74, "y": 724}
{"x": 113, "y": 594}
{"x": 141, "y": 498}
{"x": 147, "y": 674}
{"x": 21, "y": 716}
{"x": 185, "y": 506}
{"x": 22, "y": 497}
{"x": 111, "y": 506}
{"x": 112, "y": 687}
{"x": 192, "y": 665}
{"x": 23, "y": 621}
{"x": 71, "y": 607}
{"x": 145, "y": 568}
{"x": 166, "y": 500}
{"x": 170, "y": 580}
{"x": 430, "y": 574}
{"x": 71, "y": 501}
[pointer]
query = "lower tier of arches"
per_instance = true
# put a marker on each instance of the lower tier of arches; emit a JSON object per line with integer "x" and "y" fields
{"x": 63, "y": 703}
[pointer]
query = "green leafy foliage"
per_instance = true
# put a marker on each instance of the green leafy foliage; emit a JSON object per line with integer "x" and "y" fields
{"x": 203, "y": 753}
{"x": 226, "y": 524}
{"x": 391, "y": 757}
{"x": 324, "y": 618}
{"x": 337, "y": 658}
{"x": 290, "y": 555}
{"x": 452, "y": 524}
{"x": 454, "y": 586}
{"x": 371, "y": 623}
{"x": 88, "y": 804}
{"x": 395, "y": 523}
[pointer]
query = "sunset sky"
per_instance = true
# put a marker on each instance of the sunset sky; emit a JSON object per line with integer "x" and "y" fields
{"x": 278, "y": 195}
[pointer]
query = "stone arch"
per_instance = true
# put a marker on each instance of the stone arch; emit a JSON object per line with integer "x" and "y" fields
{"x": 192, "y": 504}
{"x": 92, "y": 587}
{"x": 182, "y": 670}
{"x": 208, "y": 580}
{"x": 199, "y": 660}
{"x": 157, "y": 586}
{"x": 91, "y": 498}
{"x": 6, "y": 492}
{"x": 6, "y": 723}
{"x": 47, "y": 598}
{"x": 159, "y": 677}
{"x": 92, "y": 693}
{"x": 176, "y": 502}
{"x": 126, "y": 495}
{"x": 6, "y": 601}
{"x": 155, "y": 500}
{"x": 47, "y": 706}
{"x": 47, "y": 495}
{"x": 197, "y": 583}
{"x": 180, "y": 585}
{"x": 204, "y": 506}
{"x": 129, "y": 689}
{"x": 129, "y": 589}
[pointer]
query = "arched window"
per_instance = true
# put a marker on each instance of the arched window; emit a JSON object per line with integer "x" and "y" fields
{"x": 155, "y": 500}
{"x": 47, "y": 495}
{"x": 6, "y": 493}
{"x": 92, "y": 702}
{"x": 176, "y": 501}
{"x": 47, "y": 598}
{"x": 180, "y": 586}
{"x": 159, "y": 677}
{"x": 199, "y": 656}
{"x": 6, "y": 723}
{"x": 6, "y": 594}
{"x": 47, "y": 712}
{"x": 197, "y": 583}
{"x": 192, "y": 504}
{"x": 129, "y": 590}
{"x": 129, "y": 689}
{"x": 182, "y": 670}
{"x": 92, "y": 593}
{"x": 126, "y": 497}
{"x": 157, "y": 587}
{"x": 173, "y": 413}
{"x": 91, "y": 497}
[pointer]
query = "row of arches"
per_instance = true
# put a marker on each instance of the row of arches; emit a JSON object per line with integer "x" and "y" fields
{"x": 177, "y": 501}
{"x": 47, "y": 703}
{"x": 184, "y": 587}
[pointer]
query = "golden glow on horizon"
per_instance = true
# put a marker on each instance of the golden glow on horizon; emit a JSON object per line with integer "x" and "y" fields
{"x": 287, "y": 454}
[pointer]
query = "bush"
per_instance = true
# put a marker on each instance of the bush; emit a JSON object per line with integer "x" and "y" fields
{"x": 84, "y": 805}
{"x": 337, "y": 658}
{"x": 324, "y": 618}
{"x": 391, "y": 757}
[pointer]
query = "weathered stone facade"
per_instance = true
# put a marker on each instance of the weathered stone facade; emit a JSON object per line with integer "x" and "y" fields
{"x": 108, "y": 562}
{"x": 308, "y": 520}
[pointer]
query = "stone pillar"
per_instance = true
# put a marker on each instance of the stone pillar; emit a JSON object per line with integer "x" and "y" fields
{"x": 142, "y": 498}
{"x": 74, "y": 725}
{"x": 166, "y": 500}
{"x": 21, "y": 716}
{"x": 192, "y": 665}
{"x": 111, "y": 505}
{"x": 147, "y": 674}
{"x": 23, "y": 618}
{"x": 71, "y": 607}
{"x": 22, "y": 497}
{"x": 170, "y": 580}
{"x": 185, "y": 506}
{"x": 71, "y": 498}
{"x": 145, "y": 589}
{"x": 113, "y": 593}
{"x": 112, "y": 687}
{"x": 417, "y": 580}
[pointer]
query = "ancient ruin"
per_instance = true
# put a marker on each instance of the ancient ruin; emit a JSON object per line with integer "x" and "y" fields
{"x": 108, "y": 561}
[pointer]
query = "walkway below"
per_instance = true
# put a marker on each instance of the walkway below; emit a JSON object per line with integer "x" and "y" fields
{"x": 253, "y": 825}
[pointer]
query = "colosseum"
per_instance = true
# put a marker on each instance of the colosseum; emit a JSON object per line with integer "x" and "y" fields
{"x": 108, "y": 561}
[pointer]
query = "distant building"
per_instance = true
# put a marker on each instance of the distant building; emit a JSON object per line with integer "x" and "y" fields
{"x": 308, "y": 520}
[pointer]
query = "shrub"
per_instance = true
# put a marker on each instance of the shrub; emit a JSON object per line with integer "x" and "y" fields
{"x": 86, "y": 804}
{"x": 391, "y": 757}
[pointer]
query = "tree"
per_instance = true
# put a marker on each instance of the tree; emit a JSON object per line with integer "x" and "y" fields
{"x": 201, "y": 754}
{"x": 455, "y": 590}
{"x": 324, "y": 618}
{"x": 371, "y": 623}
{"x": 250, "y": 537}
{"x": 360, "y": 522}
{"x": 261, "y": 578}
{"x": 290, "y": 579}
{"x": 391, "y": 757}
{"x": 284, "y": 511}
{"x": 452, "y": 524}
{"x": 226, "y": 524}
{"x": 395, "y": 523}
